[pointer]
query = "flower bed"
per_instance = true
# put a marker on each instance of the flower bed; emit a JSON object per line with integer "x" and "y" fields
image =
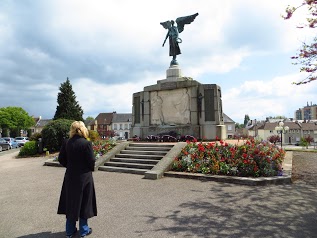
{"x": 252, "y": 158}
{"x": 101, "y": 147}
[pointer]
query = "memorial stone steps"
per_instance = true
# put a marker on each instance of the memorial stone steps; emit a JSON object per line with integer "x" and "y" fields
{"x": 137, "y": 158}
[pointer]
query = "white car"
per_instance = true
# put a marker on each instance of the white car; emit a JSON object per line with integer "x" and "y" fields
{"x": 21, "y": 140}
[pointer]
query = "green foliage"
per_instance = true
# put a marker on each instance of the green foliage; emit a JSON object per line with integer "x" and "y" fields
{"x": 90, "y": 118}
{"x": 30, "y": 148}
{"x": 305, "y": 141}
{"x": 35, "y": 136}
{"x": 15, "y": 119}
{"x": 239, "y": 126}
{"x": 93, "y": 135}
{"x": 253, "y": 158}
{"x": 246, "y": 119}
{"x": 54, "y": 133}
{"x": 68, "y": 107}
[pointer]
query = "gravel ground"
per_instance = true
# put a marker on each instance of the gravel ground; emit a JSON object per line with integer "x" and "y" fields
{"x": 304, "y": 167}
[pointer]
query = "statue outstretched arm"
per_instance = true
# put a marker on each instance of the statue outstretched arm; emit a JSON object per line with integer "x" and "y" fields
{"x": 166, "y": 25}
{"x": 165, "y": 39}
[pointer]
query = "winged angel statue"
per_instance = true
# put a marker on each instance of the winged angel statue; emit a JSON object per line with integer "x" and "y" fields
{"x": 173, "y": 33}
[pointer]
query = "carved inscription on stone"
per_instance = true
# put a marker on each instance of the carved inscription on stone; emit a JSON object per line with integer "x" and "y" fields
{"x": 168, "y": 85}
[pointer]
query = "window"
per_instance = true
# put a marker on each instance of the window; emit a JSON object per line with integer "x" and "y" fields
{"x": 115, "y": 126}
{"x": 229, "y": 127}
{"x": 121, "y": 127}
{"x": 126, "y": 126}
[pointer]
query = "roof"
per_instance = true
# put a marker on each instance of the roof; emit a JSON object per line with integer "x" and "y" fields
{"x": 122, "y": 117}
{"x": 227, "y": 119}
{"x": 104, "y": 118}
{"x": 89, "y": 122}
{"x": 293, "y": 125}
{"x": 309, "y": 126}
{"x": 43, "y": 122}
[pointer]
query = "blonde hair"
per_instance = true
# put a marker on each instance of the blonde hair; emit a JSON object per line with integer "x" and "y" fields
{"x": 78, "y": 128}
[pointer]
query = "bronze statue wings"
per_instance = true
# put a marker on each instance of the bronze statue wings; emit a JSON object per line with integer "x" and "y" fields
{"x": 181, "y": 21}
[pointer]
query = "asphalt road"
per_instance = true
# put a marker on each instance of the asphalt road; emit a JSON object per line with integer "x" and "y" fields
{"x": 130, "y": 206}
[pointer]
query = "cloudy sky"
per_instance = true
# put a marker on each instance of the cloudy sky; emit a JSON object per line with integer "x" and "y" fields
{"x": 110, "y": 49}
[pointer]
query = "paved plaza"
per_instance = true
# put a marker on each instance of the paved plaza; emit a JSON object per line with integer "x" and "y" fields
{"x": 130, "y": 206}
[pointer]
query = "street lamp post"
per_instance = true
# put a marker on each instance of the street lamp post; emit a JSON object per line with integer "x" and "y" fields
{"x": 281, "y": 129}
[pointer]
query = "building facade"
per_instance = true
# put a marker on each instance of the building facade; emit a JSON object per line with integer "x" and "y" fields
{"x": 297, "y": 130}
{"x": 230, "y": 126}
{"x": 121, "y": 124}
{"x": 309, "y": 112}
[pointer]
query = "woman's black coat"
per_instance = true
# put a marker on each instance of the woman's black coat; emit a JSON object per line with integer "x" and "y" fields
{"x": 78, "y": 198}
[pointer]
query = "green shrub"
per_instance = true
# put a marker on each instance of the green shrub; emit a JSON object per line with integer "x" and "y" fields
{"x": 35, "y": 136}
{"x": 54, "y": 133}
{"x": 30, "y": 148}
{"x": 93, "y": 135}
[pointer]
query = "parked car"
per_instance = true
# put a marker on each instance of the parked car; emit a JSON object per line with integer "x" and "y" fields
{"x": 12, "y": 142}
{"x": 4, "y": 144}
{"x": 21, "y": 140}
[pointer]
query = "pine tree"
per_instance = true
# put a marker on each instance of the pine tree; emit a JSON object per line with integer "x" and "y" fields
{"x": 68, "y": 107}
{"x": 246, "y": 119}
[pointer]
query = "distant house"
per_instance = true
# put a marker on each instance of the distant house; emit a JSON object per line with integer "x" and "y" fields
{"x": 102, "y": 124}
{"x": 121, "y": 124}
{"x": 297, "y": 130}
{"x": 39, "y": 124}
{"x": 230, "y": 126}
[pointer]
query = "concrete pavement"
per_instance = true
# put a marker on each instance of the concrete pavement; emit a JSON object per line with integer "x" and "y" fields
{"x": 130, "y": 206}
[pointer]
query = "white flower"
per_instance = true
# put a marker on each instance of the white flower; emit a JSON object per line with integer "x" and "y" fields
{"x": 187, "y": 159}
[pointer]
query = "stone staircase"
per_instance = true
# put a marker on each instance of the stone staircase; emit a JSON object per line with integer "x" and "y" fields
{"x": 137, "y": 158}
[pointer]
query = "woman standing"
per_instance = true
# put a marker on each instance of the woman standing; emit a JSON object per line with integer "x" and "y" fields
{"x": 78, "y": 198}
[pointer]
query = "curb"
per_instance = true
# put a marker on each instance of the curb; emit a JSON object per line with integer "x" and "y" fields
{"x": 284, "y": 179}
{"x": 52, "y": 162}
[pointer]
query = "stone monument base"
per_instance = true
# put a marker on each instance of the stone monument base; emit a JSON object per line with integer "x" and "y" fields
{"x": 178, "y": 104}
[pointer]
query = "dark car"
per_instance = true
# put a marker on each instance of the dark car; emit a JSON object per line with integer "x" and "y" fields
{"x": 12, "y": 142}
{"x": 4, "y": 144}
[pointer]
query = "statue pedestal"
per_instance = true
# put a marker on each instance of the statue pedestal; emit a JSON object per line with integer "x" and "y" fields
{"x": 178, "y": 104}
{"x": 173, "y": 73}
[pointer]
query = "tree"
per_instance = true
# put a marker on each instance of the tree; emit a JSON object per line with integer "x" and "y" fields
{"x": 246, "y": 119}
{"x": 54, "y": 133}
{"x": 307, "y": 55}
{"x": 15, "y": 119}
{"x": 89, "y": 118}
{"x": 68, "y": 107}
{"x": 238, "y": 125}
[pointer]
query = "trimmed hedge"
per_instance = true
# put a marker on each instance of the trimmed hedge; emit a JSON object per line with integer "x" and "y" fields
{"x": 54, "y": 133}
{"x": 30, "y": 148}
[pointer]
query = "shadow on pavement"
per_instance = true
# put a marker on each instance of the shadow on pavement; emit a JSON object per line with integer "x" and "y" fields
{"x": 250, "y": 212}
{"x": 46, "y": 234}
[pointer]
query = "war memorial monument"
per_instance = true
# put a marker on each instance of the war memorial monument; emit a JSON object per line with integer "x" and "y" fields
{"x": 178, "y": 103}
